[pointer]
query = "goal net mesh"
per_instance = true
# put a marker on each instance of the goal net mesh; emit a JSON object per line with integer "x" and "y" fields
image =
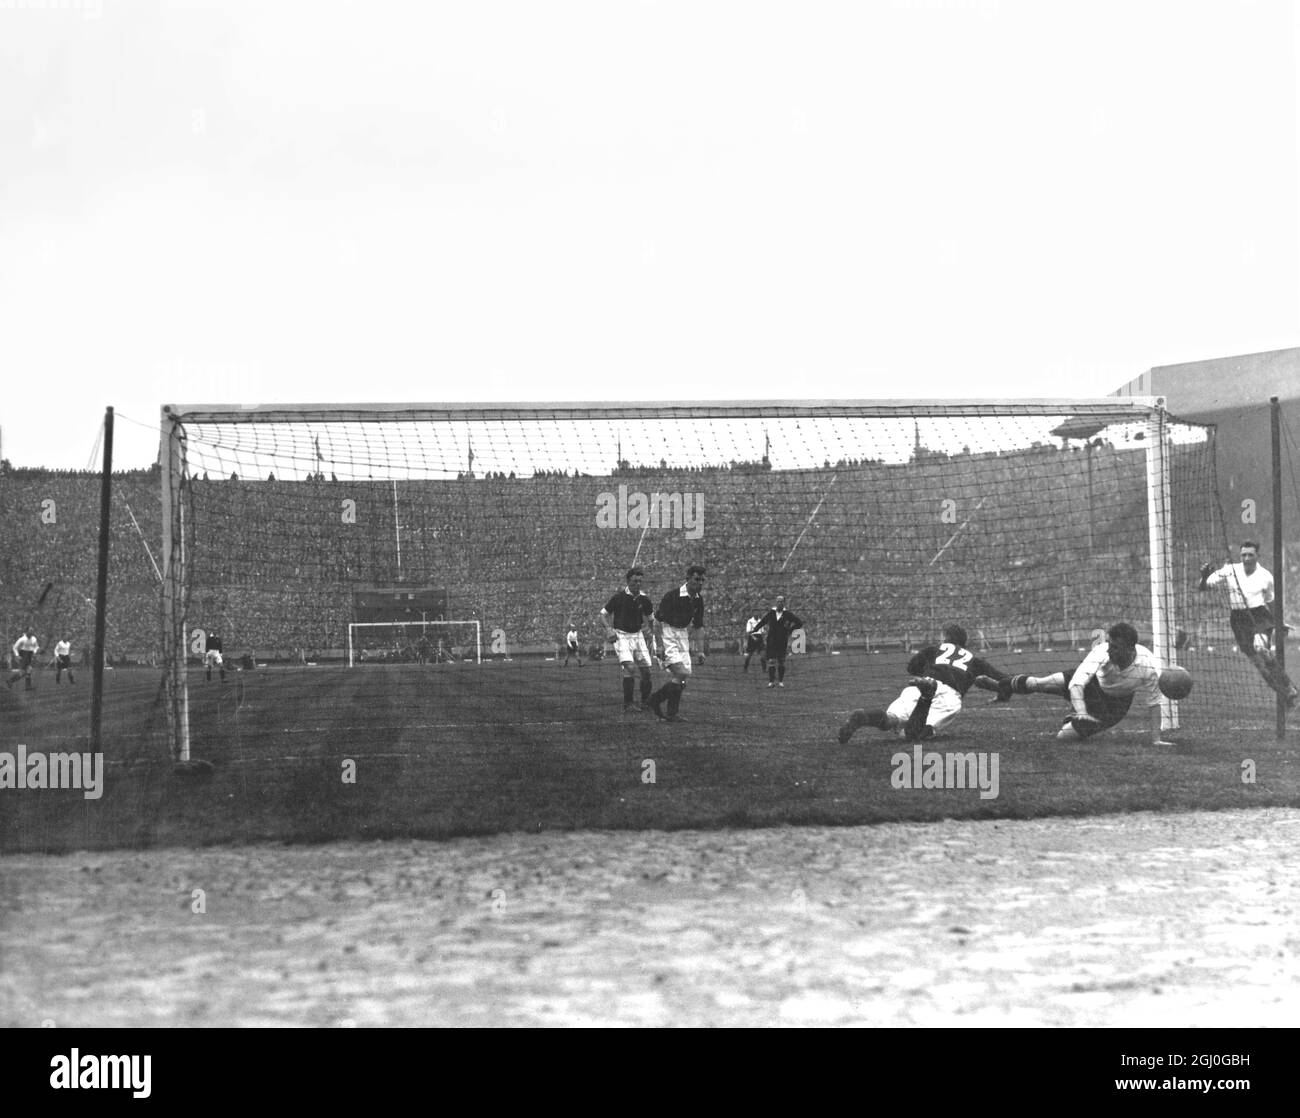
{"x": 1029, "y": 525}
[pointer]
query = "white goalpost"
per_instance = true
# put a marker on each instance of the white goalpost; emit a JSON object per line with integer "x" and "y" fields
{"x": 423, "y": 642}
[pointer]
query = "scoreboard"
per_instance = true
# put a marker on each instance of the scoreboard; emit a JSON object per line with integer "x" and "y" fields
{"x": 399, "y": 603}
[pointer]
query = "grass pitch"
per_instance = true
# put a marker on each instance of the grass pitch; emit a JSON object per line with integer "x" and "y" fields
{"x": 320, "y": 753}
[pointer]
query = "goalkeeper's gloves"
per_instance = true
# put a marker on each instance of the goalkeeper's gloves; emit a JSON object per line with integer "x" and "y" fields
{"x": 1206, "y": 568}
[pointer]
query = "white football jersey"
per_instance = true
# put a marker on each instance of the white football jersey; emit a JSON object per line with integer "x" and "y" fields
{"x": 1142, "y": 677}
{"x": 1244, "y": 591}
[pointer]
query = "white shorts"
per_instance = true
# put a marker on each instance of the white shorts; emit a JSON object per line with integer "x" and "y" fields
{"x": 630, "y": 648}
{"x": 944, "y": 707}
{"x": 212, "y": 659}
{"x": 677, "y": 646}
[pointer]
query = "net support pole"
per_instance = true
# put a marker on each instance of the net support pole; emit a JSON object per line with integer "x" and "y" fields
{"x": 397, "y": 531}
{"x": 1279, "y": 556}
{"x": 173, "y": 604}
{"x": 1159, "y": 514}
{"x": 101, "y": 588}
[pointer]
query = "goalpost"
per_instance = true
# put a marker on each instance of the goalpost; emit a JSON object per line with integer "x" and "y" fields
{"x": 423, "y": 642}
{"x": 1034, "y": 522}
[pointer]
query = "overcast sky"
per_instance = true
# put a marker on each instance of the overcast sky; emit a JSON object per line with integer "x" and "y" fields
{"x": 271, "y": 202}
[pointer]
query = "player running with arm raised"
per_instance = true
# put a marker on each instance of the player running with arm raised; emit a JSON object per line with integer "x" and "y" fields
{"x": 1250, "y": 613}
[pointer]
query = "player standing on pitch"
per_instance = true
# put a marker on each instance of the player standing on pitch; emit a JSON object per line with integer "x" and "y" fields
{"x": 779, "y": 624}
{"x": 571, "y": 645}
{"x": 212, "y": 658}
{"x": 1101, "y": 689}
{"x": 941, "y": 676}
{"x": 626, "y": 617}
{"x": 63, "y": 660}
{"x": 1250, "y": 613}
{"x": 753, "y": 643}
{"x": 681, "y": 610}
{"x": 25, "y": 650}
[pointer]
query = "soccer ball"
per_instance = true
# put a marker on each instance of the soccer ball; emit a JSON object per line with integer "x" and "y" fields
{"x": 1176, "y": 683}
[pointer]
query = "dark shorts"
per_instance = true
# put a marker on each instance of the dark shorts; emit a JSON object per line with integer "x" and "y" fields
{"x": 1109, "y": 710}
{"x": 65, "y": 662}
{"x": 24, "y": 659}
{"x": 1246, "y": 623}
{"x": 754, "y": 644}
{"x": 573, "y": 646}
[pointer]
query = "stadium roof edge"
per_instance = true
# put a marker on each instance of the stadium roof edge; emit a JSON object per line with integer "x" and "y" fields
{"x": 270, "y": 413}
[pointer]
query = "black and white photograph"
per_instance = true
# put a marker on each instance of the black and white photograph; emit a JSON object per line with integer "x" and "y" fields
{"x": 651, "y": 515}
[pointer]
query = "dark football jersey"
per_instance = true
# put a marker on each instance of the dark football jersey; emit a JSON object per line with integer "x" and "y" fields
{"x": 681, "y": 611}
{"x": 779, "y": 629}
{"x": 953, "y": 665}
{"x": 628, "y": 612}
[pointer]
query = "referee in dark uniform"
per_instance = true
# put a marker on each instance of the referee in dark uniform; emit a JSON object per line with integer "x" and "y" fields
{"x": 780, "y": 623}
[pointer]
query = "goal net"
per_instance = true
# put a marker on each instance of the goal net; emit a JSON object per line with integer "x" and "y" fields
{"x": 414, "y": 642}
{"x": 1034, "y": 524}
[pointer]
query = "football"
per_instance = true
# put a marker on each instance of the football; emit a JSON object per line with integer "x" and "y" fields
{"x": 1176, "y": 683}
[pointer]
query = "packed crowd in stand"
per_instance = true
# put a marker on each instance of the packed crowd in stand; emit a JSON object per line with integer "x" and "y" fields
{"x": 1034, "y": 541}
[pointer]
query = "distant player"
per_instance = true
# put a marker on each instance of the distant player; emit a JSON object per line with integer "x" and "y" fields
{"x": 1102, "y": 688}
{"x": 571, "y": 646}
{"x": 626, "y": 620}
{"x": 25, "y": 650}
{"x": 680, "y": 611}
{"x": 778, "y": 624}
{"x": 212, "y": 658}
{"x": 63, "y": 660}
{"x": 941, "y": 676}
{"x": 1250, "y": 613}
{"x": 753, "y": 643}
